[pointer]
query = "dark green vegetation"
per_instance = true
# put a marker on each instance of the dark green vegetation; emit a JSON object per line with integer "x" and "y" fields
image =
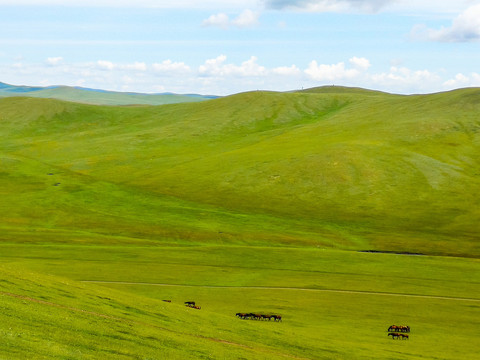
{"x": 255, "y": 202}
{"x": 97, "y": 97}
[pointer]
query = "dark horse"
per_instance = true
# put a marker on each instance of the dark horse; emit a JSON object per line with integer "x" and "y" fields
{"x": 401, "y": 328}
{"x": 276, "y": 317}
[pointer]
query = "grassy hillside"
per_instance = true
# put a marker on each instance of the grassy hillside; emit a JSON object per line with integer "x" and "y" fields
{"x": 334, "y": 304}
{"x": 78, "y": 321}
{"x": 257, "y": 202}
{"x": 347, "y": 169}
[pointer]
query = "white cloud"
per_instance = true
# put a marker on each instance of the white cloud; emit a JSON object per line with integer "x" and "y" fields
{"x": 247, "y": 18}
{"x": 212, "y": 66}
{"x": 402, "y": 79}
{"x": 218, "y": 68}
{"x": 329, "y": 5}
{"x": 465, "y": 27}
{"x": 361, "y": 64}
{"x": 137, "y": 66}
{"x": 168, "y": 66}
{"x": 221, "y": 77}
{"x": 108, "y": 65}
{"x": 52, "y": 61}
{"x": 460, "y": 80}
{"x": 334, "y": 72}
{"x": 219, "y": 20}
{"x": 105, "y": 65}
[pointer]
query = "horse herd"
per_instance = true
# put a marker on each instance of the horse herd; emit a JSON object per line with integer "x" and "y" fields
{"x": 254, "y": 316}
{"x": 244, "y": 316}
{"x": 399, "y": 331}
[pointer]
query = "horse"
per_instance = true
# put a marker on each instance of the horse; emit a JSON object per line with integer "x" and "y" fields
{"x": 276, "y": 317}
{"x": 401, "y": 328}
{"x": 257, "y": 316}
{"x": 404, "y": 336}
{"x": 189, "y": 303}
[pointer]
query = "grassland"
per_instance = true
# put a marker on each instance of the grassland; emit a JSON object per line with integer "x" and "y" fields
{"x": 334, "y": 304}
{"x": 256, "y": 202}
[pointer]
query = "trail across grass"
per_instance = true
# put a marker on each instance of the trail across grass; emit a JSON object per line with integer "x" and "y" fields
{"x": 333, "y": 303}
{"x": 285, "y": 288}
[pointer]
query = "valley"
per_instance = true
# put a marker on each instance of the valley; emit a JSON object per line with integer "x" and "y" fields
{"x": 308, "y": 204}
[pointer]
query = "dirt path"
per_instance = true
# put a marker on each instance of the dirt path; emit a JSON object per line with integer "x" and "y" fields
{"x": 288, "y": 288}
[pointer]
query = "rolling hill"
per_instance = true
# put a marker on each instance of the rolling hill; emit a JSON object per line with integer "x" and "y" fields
{"x": 333, "y": 167}
{"x": 98, "y": 97}
{"x": 304, "y": 204}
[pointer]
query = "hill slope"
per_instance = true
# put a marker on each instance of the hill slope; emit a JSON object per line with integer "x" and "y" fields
{"x": 82, "y": 321}
{"x": 348, "y": 169}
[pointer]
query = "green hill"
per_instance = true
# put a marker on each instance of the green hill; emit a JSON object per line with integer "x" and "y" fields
{"x": 350, "y": 170}
{"x": 257, "y": 202}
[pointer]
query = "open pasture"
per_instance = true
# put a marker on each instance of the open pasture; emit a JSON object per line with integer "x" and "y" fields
{"x": 334, "y": 304}
{"x": 259, "y": 202}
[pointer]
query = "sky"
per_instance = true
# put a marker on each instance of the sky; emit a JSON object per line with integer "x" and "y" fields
{"x": 225, "y": 47}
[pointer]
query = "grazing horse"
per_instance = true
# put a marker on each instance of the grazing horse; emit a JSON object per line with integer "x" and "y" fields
{"x": 276, "y": 317}
{"x": 254, "y": 316}
{"x": 401, "y": 328}
{"x": 404, "y": 336}
{"x": 189, "y": 303}
{"x": 257, "y": 316}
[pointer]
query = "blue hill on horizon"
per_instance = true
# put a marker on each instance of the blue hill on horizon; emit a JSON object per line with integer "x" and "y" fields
{"x": 98, "y": 96}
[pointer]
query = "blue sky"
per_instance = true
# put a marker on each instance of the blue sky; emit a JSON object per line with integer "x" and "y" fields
{"x": 225, "y": 47}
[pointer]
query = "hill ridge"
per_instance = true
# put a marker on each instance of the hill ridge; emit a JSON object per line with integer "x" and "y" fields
{"x": 348, "y": 170}
{"x": 98, "y": 96}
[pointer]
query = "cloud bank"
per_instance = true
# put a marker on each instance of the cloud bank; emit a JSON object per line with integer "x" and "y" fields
{"x": 465, "y": 28}
{"x": 247, "y": 18}
{"x": 220, "y": 77}
{"x": 328, "y": 5}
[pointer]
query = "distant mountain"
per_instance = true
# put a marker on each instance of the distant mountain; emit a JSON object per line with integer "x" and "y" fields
{"x": 98, "y": 96}
{"x": 15, "y": 89}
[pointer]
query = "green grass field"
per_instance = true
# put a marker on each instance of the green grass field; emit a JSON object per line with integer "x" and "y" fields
{"x": 257, "y": 202}
{"x": 334, "y": 304}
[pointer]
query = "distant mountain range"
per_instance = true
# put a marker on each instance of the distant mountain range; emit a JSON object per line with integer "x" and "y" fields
{"x": 97, "y": 96}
